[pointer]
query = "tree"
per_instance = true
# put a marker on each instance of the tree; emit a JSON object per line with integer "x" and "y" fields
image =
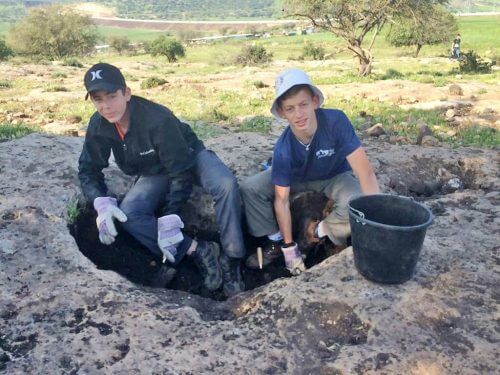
{"x": 53, "y": 32}
{"x": 119, "y": 44}
{"x": 165, "y": 46}
{"x": 439, "y": 26}
{"x": 352, "y": 20}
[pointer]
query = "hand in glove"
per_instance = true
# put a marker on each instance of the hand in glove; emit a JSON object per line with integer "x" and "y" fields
{"x": 107, "y": 209}
{"x": 169, "y": 236}
{"x": 293, "y": 259}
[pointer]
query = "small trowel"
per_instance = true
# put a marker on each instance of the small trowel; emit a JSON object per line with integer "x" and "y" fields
{"x": 259, "y": 257}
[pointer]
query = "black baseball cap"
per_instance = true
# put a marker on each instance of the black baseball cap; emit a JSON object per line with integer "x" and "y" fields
{"x": 103, "y": 76}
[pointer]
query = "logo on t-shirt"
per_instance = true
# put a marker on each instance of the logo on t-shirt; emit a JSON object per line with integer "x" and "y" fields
{"x": 324, "y": 153}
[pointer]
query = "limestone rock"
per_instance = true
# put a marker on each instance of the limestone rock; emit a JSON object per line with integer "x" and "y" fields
{"x": 429, "y": 140}
{"x": 376, "y": 130}
{"x": 423, "y": 131}
{"x": 456, "y": 90}
{"x": 59, "y": 313}
{"x": 450, "y": 113}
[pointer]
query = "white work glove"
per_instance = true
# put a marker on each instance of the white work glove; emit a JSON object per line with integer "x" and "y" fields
{"x": 107, "y": 209}
{"x": 169, "y": 236}
{"x": 293, "y": 259}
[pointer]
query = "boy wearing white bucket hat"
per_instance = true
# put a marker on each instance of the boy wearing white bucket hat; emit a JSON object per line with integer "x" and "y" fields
{"x": 319, "y": 151}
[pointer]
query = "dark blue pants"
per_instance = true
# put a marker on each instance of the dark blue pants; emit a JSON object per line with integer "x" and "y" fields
{"x": 149, "y": 193}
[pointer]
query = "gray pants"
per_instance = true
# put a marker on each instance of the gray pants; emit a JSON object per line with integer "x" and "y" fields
{"x": 258, "y": 196}
{"x": 214, "y": 176}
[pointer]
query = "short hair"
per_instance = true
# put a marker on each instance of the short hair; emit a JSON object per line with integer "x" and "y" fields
{"x": 294, "y": 90}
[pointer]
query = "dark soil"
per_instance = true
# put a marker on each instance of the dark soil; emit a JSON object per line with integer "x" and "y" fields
{"x": 130, "y": 259}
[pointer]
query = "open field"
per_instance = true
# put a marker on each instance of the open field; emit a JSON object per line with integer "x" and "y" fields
{"x": 207, "y": 87}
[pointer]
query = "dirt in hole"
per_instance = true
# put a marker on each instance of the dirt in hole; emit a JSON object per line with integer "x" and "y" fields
{"x": 132, "y": 260}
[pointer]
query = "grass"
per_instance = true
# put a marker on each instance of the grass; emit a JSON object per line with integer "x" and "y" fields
{"x": 258, "y": 124}
{"x": 193, "y": 92}
{"x": 134, "y": 35}
{"x": 73, "y": 211}
{"x": 10, "y": 131}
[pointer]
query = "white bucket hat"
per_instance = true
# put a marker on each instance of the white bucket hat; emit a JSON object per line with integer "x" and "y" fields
{"x": 286, "y": 80}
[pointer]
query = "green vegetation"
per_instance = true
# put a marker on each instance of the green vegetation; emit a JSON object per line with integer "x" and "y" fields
{"x": 439, "y": 26}
{"x": 5, "y": 84}
{"x": 258, "y": 124}
{"x": 119, "y": 44}
{"x": 73, "y": 210}
{"x": 313, "y": 51}
{"x": 151, "y": 82}
{"x": 55, "y": 88}
{"x": 134, "y": 35}
{"x": 72, "y": 61}
{"x": 208, "y": 89}
{"x": 194, "y": 9}
{"x": 53, "y": 32}
{"x": 165, "y": 46}
{"x": 5, "y": 51}
{"x": 9, "y": 131}
{"x": 471, "y": 62}
{"x": 253, "y": 55}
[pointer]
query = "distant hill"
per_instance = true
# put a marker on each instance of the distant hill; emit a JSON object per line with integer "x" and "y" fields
{"x": 194, "y": 9}
{"x": 11, "y": 10}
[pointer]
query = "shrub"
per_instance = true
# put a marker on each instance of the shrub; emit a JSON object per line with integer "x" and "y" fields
{"x": 119, "y": 44}
{"x": 392, "y": 74}
{"x": 56, "y": 88}
{"x": 259, "y": 84}
{"x": 151, "y": 82}
{"x": 5, "y": 85}
{"x": 314, "y": 52}
{"x": 72, "y": 61}
{"x": 165, "y": 46}
{"x": 253, "y": 55}
{"x": 58, "y": 75}
{"x": 470, "y": 62}
{"x": 5, "y": 51}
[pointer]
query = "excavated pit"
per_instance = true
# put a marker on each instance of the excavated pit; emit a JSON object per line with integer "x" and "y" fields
{"x": 132, "y": 260}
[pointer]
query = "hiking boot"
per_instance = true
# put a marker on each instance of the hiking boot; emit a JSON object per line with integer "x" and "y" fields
{"x": 270, "y": 253}
{"x": 205, "y": 258}
{"x": 163, "y": 276}
{"x": 231, "y": 276}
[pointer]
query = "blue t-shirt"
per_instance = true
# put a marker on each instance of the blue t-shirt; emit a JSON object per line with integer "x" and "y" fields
{"x": 324, "y": 158}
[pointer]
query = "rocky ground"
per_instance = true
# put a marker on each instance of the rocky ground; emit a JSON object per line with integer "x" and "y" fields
{"x": 61, "y": 313}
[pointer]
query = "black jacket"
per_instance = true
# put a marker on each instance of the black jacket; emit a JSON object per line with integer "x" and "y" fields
{"x": 156, "y": 143}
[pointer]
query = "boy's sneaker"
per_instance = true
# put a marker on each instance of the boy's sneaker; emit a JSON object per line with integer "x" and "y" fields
{"x": 205, "y": 258}
{"x": 231, "y": 276}
{"x": 270, "y": 253}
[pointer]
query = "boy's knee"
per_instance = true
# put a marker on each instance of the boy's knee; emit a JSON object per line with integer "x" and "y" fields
{"x": 254, "y": 186}
{"x": 227, "y": 185}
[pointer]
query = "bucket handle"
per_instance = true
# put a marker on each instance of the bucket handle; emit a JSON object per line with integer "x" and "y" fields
{"x": 360, "y": 214}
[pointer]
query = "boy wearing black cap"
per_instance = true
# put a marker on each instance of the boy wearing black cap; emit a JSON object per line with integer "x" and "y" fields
{"x": 148, "y": 141}
{"x": 319, "y": 151}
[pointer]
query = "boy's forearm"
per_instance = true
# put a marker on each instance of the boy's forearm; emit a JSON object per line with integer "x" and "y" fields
{"x": 368, "y": 183}
{"x": 284, "y": 218}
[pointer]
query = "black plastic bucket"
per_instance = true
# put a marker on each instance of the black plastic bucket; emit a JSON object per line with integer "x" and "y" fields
{"x": 387, "y": 233}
